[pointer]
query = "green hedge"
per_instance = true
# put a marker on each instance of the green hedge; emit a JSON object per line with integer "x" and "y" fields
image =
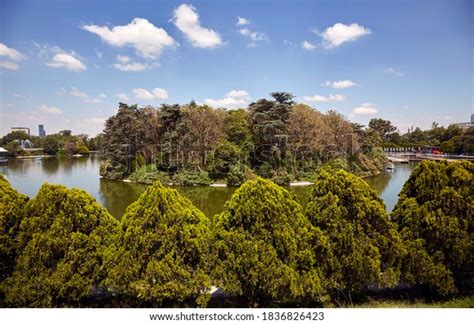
{"x": 62, "y": 248}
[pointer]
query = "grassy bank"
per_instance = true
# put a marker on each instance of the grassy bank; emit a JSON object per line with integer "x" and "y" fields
{"x": 461, "y": 302}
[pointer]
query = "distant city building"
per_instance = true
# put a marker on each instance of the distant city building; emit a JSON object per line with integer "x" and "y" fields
{"x": 467, "y": 125}
{"x": 26, "y": 130}
{"x": 41, "y": 131}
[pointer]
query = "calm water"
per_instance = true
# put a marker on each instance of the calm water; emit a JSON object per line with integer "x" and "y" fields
{"x": 27, "y": 175}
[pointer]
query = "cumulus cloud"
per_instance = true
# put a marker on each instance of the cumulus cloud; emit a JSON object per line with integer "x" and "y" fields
{"x": 11, "y": 55}
{"x": 242, "y": 21}
{"x": 227, "y": 102}
{"x": 366, "y": 108}
{"x": 308, "y": 46}
{"x": 50, "y": 110}
{"x": 342, "y": 84}
{"x": 186, "y": 18}
{"x": 233, "y": 99}
{"x": 147, "y": 40}
{"x": 124, "y": 63}
{"x": 252, "y": 36}
{"x": 339, "y": 33}
{"x": 67, "y": 61}
{"x": 330, "y": 98}
{"x": 238, "y": 93}
{"x": 391, "y": 70}
{"x": 157, "y": 93}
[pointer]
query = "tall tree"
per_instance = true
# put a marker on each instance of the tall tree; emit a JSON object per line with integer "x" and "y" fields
{"x": 171, "y": 134}
{"x": 307, "y": 133}
{"x": 160, "y": 253}
{"x": 366, "y": 246}
{"x": 12, "y": 211}
{"x": 124, "y": 136}
{"x": 61, "y": 244}
{"x": 237, "y": 127}
{"x": 383, "y": 127}
{"x": 263, "y": 248}
{"x": 204, "y": 129}
{"x": 435, "y": 218}
{"x": 342, "y": 140}
{"x": 269, "y": 120}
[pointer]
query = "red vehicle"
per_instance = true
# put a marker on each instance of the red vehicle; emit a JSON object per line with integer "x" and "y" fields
{"x": 436, "y": 151}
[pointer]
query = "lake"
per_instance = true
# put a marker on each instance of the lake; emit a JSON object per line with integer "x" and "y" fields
{"x": 27, "y": 175}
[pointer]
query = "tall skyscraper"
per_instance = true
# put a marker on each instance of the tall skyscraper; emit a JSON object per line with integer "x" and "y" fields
{"x": 41, "y": 131}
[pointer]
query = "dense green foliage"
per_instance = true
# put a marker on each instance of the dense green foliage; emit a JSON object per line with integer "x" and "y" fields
{"x": 435, "y": 218}
{"x": 159, "y": 256}
{"x": 276, "y": 139}
{"x": 61, "y": 143}
{"x": 451, "y": 139}
{"x": 61, "y": 242}
{"x": 62, "y": 249}
{"x": 11, "y": 215}
{"x": 366, "y": 245}
{"x": 263, "y": 248}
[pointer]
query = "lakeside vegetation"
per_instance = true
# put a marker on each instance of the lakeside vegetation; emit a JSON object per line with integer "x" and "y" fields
{"x": 62, "y": 143}
{"x": 62, "y": 248}
{"x": 276, "y": 139}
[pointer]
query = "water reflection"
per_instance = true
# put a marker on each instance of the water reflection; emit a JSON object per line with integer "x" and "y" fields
{"x": 389, "y": 184}
{"x": 116, "y": 196}
{"x": 209, "y": 200}
{"x": 83, "y": 172}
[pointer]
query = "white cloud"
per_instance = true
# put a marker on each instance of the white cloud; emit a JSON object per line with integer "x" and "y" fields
{"x": 186, "y": 18}
{"x": 11, "y": 53}
{"x": 366, "y": 108}
{"x": 308, "y": 46}
{"x": 233, "y": 99}
{"x": 254, "y": 36}
{"x": 77, "y": 93}
{"x": 391, "y": 70}
{"x": 342, "y": 84}
{"x": 242, "y": 21}
{"x": 121, "y": 96}
{"x": 50, "y": 110}
{"x": 9, "y": 65}
{"x": 67, "y": 61}
{"x": 157, "y": 93}
{"x": 330, "y": 98}
{"x": 102, "y": 95}
{"x": 84, "y": 96}
{"x": 338, "y": 34}
{"x": 125, "y": 64}
{"x": 227, "y": 102}
{"x": 123, "y": 59}
{"x": 147, "y": 40}
{"x": 237, "y": 93}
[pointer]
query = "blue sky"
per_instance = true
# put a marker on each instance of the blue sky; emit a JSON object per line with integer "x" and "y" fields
{"x": 67, "y": 64}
